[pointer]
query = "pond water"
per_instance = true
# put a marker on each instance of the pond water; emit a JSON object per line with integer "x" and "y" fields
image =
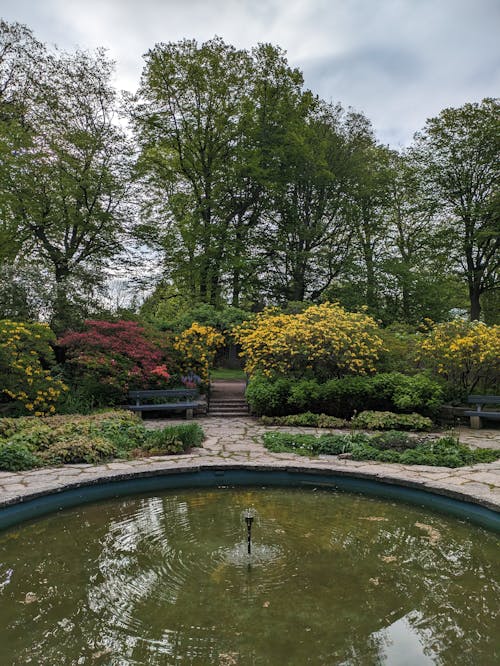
{"x": 334, "y": 578}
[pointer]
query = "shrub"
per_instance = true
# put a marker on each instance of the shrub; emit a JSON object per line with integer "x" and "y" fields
{"x": 346, "y": 396}
{"x": 79, "y": 449}
{"x": 418, "y": 392}
{"x": 388, "y": 421}
{"x": 386, "y": 447}
{"x": 89, "y": 439}
{"x": 268, "y": 397}
{"x": 323, "y": 340}
{"x": 109, "y": 358}
{"x": 197, "y": 346}
{"x": 466, "y": 354}
{"x": 27, "y": 365}
{"x": 15, "y": 456}
{"x": 393, "y": 440}
{"x": 189, "y": 435}
{"x": 306, "y": 419}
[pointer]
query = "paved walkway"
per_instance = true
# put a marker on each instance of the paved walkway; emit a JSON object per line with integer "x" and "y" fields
{"x": 237, "y": 443}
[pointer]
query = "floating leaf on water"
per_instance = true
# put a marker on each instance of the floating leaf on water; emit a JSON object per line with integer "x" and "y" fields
{"x": 388, "y": 558}
{"x": 433, "y": 534}
{"x": 374, "y": 518}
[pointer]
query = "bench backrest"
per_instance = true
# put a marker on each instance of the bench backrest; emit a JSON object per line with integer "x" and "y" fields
{"x": 165, "y": 393}
{"x": 484, "y": 399}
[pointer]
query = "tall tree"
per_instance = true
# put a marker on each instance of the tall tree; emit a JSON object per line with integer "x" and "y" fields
{"x": 189, "y": 122}
{"x": 460, "y": 153}
{"x": 65, "y": 188}
{"x": 306, "y": 239}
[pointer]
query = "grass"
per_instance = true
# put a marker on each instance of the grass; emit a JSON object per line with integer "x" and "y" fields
{"x": 227, "y": 373}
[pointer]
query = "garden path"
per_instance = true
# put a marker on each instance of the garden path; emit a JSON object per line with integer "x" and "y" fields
{"x": 237, "y": 442}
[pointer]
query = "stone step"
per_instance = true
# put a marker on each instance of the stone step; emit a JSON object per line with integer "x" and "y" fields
{"x": 228, "y": 403}
{"x": 228, "y": 413}
{"x": 224, "y": 410}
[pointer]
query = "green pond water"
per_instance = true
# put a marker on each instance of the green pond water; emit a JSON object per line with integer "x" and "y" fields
{"x": 334, "y": 578}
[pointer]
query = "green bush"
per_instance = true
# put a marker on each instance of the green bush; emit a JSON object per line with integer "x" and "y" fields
{"x": 15, "y": 457}
{"x": 390, "y": 420}
{"x": 346, "y": 396}
{"x": 393, "y": 440}
{"x": 80, "y": 449}
{"x": 307, "y": 419}
{"x": 30, "y": 442}
{"x": 268, "y": 397}
{"x": 174, "y": 439}
{"x": 394, "y": 447}
{"x": 418, "y": 392}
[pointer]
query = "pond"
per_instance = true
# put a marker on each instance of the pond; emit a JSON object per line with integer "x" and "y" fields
{"x": 334, "y": 578}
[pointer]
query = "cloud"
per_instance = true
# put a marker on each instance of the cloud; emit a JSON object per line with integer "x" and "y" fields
{"x": 399, "y": 61}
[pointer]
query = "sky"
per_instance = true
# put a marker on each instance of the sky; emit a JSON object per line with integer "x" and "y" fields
{"x": 398, "y": 61}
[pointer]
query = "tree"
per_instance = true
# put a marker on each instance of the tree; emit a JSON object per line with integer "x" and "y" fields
{"x": 67, "y": 179}
{"x": 306, "y": 237}
{"x": 190, "y": 119}
{"x": 460, "y": 153}
{"x": 19, "y": 57}
{"x": 418, "y": 277}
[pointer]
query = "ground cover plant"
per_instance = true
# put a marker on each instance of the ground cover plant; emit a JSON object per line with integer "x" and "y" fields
{"x": 365, "y": 420}
{"x": 28, "y": 442}
{"x": 393, "y": 446}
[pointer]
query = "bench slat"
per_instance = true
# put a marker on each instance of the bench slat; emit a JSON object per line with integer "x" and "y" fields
{"x": 492, "y": 416}
{"x": 167, "y": 393}
{"x": 167, "y": 406}
{"x": 484, "y": 399}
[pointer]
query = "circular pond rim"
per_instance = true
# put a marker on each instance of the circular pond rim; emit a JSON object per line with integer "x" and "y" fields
{"x": 72, "y": 495}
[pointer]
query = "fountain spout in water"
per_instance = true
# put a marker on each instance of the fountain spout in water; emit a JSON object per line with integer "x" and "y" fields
{"x": 249, "y": 515}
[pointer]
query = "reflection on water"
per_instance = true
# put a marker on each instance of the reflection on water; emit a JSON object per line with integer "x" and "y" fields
{"x": 333, "y": 579}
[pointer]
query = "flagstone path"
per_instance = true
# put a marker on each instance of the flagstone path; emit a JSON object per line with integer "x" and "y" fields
{"x": 237, "y": 443}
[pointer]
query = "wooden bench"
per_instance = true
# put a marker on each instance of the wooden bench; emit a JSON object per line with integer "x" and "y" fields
{"x": 477, "y": 416}
{"x": 179, "y": 400}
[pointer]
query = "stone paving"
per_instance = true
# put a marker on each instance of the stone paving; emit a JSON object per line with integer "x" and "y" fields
{"x": 237, "y": 443}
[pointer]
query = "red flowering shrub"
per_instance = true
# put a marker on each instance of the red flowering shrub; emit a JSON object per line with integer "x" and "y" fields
{"x": 110, "y": 358}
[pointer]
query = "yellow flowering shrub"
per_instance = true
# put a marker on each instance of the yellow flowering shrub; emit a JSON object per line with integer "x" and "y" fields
{"x": 324, "y": 341}
{"x": 466, "y": 354}
{"x": 26, "y": 359}
{"x": 197, "y": 346}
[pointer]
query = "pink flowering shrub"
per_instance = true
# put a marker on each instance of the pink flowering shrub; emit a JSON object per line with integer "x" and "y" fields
{"x": 108, "y": 359}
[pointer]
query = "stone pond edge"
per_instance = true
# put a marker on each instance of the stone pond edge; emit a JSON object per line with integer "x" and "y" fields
{"x": 100, "y": 475}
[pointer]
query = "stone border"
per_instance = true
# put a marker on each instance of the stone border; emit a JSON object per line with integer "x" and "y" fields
{"x": 234, "y": 445}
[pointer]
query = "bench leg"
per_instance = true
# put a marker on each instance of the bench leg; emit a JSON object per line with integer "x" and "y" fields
{"x": 189, "y": 413}
{"x": 476, "y": 422}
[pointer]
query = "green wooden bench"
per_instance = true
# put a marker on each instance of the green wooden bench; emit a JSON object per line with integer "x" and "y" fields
{"x": 479, "y": 414}
{"x": 172, "y": 400}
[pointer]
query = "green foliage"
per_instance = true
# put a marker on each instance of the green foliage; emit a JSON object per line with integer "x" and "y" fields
{"x": 307, "y": 419}
{"x": 268, "y": 397}
{"x": 371, "y": 420}
{"x": 79, "y": 449}
{"x": 15, "y": 456}
{"x": 27, "y": 364}
{"x": 346, "y": 396}
{"x": 394, "y": 447}
{"x": 57, "y": 440}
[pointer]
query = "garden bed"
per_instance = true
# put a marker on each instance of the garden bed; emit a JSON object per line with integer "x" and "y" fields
{"x": 29, "y": 442}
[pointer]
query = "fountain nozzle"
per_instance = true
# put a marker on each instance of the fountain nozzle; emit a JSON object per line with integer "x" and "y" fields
{"x": 249, "y": 515}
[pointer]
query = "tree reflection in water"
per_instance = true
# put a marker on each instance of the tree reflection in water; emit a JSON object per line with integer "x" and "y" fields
{"x": 155, "y": 580}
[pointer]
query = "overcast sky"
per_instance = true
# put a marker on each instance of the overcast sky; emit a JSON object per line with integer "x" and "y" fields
{"x": 398, "y": 61}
